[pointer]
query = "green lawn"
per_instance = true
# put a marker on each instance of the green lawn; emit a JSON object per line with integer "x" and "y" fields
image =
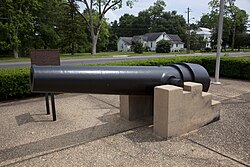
{"x": 84, "y": 55}
{"x": 104, "y": 54}
{"x": 101, "y": 54}
{"x": 10, "y": 59}
{"x": 236, "y": 50}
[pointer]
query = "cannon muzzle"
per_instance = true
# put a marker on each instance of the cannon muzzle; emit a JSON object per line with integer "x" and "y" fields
{"x": 120, "y": 80}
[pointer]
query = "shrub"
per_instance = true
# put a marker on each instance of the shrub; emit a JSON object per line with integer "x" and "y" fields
{"x": 14, "y": 83}
{"x": 163, "y": 46}
{"x": 232, "y": 67}
{"x": 138, "y": 47}
{"x": 208, "y": 49}
{"x": 146, "y": 48}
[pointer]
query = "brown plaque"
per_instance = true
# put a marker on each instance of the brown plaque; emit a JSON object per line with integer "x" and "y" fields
{"x": 45, "y": 57}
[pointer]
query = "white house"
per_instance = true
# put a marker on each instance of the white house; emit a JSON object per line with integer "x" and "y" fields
{"x": 177, "y": 44}
{"x": 124, "y": 44}
{"x": 206, "y": 34}
{"x": 150, "y": 40}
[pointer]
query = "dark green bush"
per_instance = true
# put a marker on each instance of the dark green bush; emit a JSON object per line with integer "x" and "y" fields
{"x": 146, "y": 48}
{"x": 208, "y": 49}
{"x": 138, "y": 47}
{"x": 231, "y": 67}
{"x": 14, "y": 83}
{"x": 163, "y": 46}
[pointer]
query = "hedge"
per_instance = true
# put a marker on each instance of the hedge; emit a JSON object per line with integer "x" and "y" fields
{"x": 14, "y": 83}
{"x": 231, "y": 67}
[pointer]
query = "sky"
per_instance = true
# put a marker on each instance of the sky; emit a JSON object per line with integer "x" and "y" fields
{"x": 198, "y": 7}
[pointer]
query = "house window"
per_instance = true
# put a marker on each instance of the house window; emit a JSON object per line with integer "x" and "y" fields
{"x": 177, "y": 45}
{"x": 122, "y": 46}
{"x": 151, "y": 44}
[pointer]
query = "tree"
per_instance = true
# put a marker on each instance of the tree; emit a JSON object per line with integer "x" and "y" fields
{"x": 101, "y": 7}
{"x": 174, "y": 24}
{"x": 141, "y": 24}
{"x": 126, "y": 25}
{"x": 197, "y": 42}
{"x": 149, "y": 20}
{"x": 49, "y": 18}
{"x": 103, "y": 39}
{"x": 138, "y": 47}
{"x": 153, "y": 19}
{"x": 239, "y": 20}
{"x": 163, "y": 46}
{"x": 235, "y": 20}
{"x": 113, "y": 37}
{"x": 73, "y": 37}
{"x": 242, "y": 40}
{"x": 194, "y": 41}
{"x": 17, "y": 24}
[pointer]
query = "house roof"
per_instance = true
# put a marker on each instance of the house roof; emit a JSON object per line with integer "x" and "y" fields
{"x": 135, "y": 38}
{"x": 203, "y": 33}
{"x": 204, "y": 29}
{"x": 153, "y": 36}
{"x": 127, "y": 40}
{"x": 175, "y": 39}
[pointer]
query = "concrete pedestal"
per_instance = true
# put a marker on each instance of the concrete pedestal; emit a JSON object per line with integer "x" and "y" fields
{"x": 133, "y": 107}
{"x": 176, "y": 110}
{"x": 181, "y": 110}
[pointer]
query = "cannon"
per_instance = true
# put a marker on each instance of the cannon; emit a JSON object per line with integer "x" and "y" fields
{"x": 119, "y": 80}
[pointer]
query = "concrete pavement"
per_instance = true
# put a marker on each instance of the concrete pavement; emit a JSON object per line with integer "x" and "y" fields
{"x": 90, "y": 132}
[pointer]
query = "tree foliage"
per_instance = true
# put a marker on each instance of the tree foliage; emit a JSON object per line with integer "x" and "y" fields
{"x": 73, "y": 37}
{"x": 96, "y": 9}
{"x": 235, "y": 22}
{"x": 138, "y": 47}
{"x": 196, "y": 42}
{"x": 163, "y": 46}
{"x": 17, "y": 24}
{"x": 46, "y": 24}
{"x": 153, "y": 19}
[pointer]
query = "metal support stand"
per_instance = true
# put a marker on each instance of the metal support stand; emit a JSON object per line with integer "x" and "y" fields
{"x": 47, "y": 103}
{"x": 52, "y": 105}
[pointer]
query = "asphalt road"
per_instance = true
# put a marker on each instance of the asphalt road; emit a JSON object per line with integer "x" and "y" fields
{"x": 69, "y": 62}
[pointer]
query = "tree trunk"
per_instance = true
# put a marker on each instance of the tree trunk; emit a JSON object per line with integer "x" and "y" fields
{"x": 15, "y": 49}
{"x": 94, "y": 42}
{"x": 233, "y": 39}
{"x": 72, "y": 48}
{"x": 15, "y": 52}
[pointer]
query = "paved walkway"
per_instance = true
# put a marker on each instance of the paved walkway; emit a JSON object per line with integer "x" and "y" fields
{"x": 90, "y": 132}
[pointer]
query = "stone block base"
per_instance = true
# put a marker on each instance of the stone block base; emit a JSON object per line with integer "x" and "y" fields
{"x": 176, "y": 110}
{"x": 181, "y": 110}
{"x": 133, "y": 107}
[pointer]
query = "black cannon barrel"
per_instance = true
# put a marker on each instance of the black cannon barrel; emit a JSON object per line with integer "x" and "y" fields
{"x": 121, "y": 80}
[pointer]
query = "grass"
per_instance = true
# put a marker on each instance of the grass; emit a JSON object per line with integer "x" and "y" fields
{"x": 97, "y": 55}
{"x": 104, "y": 54}
{"x": 14, "y": 83}
{"x": 85, "y": 55}
{"x": 236, "y": 50}
{"x": 12, "y": 59}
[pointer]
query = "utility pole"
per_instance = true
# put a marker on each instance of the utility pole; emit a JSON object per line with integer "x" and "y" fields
{"x": 219, "y": 42}
{"x": 188, "y": 26}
